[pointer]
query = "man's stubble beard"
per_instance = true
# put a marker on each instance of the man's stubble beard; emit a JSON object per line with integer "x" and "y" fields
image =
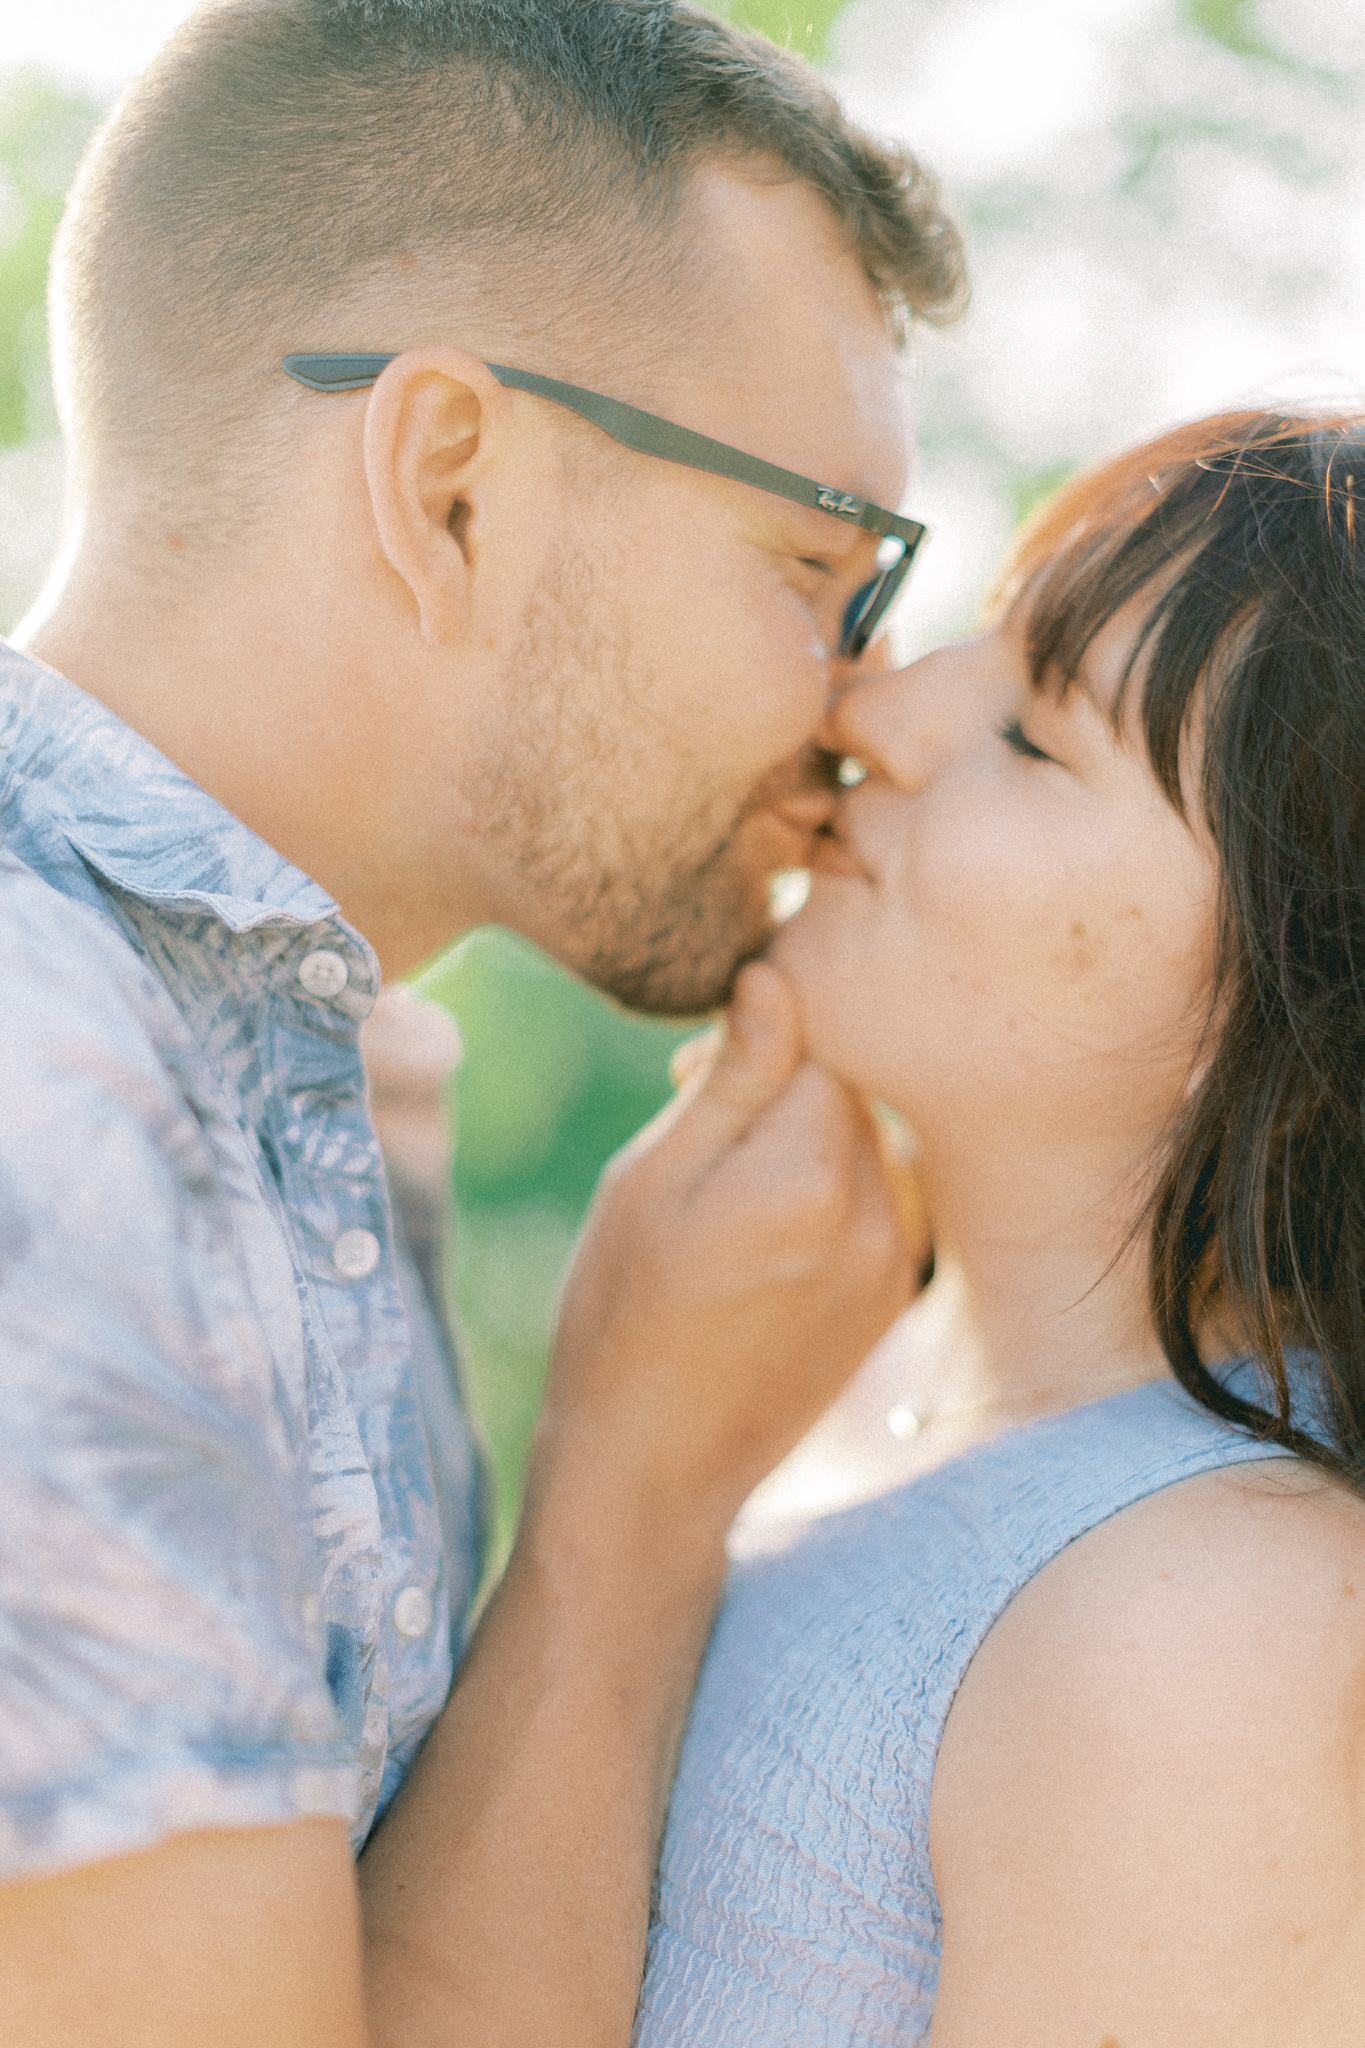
{"x": 605, "y": 862}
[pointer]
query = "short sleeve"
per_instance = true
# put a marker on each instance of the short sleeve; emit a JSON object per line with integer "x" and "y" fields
{"x": 162, "y": 1666}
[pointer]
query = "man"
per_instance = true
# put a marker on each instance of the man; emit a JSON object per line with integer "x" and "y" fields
{"x": 393, "y": 647}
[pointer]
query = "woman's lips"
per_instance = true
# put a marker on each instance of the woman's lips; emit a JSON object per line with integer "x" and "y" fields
{"x": 832, "y": 854}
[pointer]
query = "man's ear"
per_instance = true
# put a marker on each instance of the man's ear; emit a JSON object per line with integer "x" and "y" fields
{"x": 431, "y": 425}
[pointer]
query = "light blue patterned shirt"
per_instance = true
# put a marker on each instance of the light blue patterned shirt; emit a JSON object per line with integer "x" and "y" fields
{"x": 224, "y": 1595}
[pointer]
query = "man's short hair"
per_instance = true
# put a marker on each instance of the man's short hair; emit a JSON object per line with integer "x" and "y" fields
{"x": 364, "y": 174}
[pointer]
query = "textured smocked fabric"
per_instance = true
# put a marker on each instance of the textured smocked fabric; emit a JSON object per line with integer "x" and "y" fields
{"x": 796, "y": 1905}
{"x": 224, "y": 1595}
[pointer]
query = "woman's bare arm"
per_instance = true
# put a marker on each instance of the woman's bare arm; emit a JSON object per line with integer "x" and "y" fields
{"x": 1147, "y": 1817}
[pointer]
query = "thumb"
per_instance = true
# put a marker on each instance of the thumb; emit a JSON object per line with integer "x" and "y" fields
{"x": 759, "y": 1055}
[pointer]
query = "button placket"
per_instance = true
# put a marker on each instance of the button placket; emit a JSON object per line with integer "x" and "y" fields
{"x": 333, "y": 1182}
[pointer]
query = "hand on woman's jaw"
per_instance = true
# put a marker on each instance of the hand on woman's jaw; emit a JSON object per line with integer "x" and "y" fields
{"x": 1012, "y": 946}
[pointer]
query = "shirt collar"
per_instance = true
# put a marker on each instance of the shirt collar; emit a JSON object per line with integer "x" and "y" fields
{"x": 134, "y": 816}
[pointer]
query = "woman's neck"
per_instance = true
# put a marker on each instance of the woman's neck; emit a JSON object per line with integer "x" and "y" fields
{"x": 1038, "y": 1303}
{"x": 1045, "y": 1231}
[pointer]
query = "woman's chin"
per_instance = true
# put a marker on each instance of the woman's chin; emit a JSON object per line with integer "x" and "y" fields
{"x": 852, "y": 997}
{"x": 823, "y": 921}
{"x": 814, "y": 952}
{"x": 796, "y": 944}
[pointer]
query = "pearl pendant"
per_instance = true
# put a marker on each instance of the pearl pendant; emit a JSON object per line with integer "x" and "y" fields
{"x": 903, "y": 1423}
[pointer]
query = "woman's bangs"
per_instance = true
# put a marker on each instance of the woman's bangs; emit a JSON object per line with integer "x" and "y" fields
{"x": 1104, "y": 536}
{"x": 1184, "y": 516}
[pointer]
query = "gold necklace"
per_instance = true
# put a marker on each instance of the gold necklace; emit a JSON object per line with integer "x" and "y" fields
{"x": 906, "y": 1423}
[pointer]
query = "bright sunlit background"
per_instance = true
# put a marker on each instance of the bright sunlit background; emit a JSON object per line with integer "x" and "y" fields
{"x": 1165, "y": 204}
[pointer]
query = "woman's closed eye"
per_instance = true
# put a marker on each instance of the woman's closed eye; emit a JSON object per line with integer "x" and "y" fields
{"x": 1018, "y": 741}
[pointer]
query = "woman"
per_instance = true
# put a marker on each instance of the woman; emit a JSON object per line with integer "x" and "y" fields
{"x": 1035, "y": 1714}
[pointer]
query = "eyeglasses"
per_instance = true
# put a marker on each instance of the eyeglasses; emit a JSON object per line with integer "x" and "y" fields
{"x": 650, "y": 435}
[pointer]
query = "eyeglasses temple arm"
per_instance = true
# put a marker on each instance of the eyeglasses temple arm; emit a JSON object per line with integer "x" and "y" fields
{"x": 335, "y": 373}
{"x": 643, "y": 431}
{"x": 649, "y": 435}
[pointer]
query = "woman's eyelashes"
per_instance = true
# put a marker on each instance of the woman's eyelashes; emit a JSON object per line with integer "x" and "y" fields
{"x": 1018, "y": 741}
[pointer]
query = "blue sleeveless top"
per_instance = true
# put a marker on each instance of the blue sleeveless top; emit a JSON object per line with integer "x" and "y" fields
{"x": 796, "y": 1906}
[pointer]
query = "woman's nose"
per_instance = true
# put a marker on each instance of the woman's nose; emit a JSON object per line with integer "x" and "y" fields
{"x": 907, "y": 723}
{"x": 885, "y": 721}
{"x": 850, "y": 675}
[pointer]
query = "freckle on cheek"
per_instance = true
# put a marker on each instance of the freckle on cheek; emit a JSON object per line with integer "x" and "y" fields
{"x": 1079, "y": 957}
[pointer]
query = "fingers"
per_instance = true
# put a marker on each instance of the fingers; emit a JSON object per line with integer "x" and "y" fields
{"x": 410, "y": 1049}
{"x": 733, "y": 1271}
{"x": 798, "y": 1149}
{"x": 899, "y": 1150}
{"x": 409, "y": 1046}
{"x": 759, "y": 1055}
{"x": 762, "y": 1047}
{"x": 726, "y": 1077}
{"x": 693, "y": 1060}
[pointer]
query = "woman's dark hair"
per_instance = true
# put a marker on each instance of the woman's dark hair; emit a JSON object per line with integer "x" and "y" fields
{"x": 1249, "y": 531}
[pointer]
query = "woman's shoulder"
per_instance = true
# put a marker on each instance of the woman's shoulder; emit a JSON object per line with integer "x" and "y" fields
{"x": 1266, "y": 1556}
{"x": 1158, "y": 1747}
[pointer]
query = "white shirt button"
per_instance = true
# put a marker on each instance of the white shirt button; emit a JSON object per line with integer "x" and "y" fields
{"x": 356, "y": 1254}
{"x": 324, "y": 973}
{"x": 412, "y": 1611}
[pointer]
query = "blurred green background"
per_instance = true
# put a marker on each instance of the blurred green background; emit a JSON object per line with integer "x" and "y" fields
{"x": 1165, "y": 204}
{"x": 554, "y": 1079}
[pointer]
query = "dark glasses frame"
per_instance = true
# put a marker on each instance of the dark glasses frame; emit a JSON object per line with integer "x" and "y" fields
{"x": 649, "y": 435}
